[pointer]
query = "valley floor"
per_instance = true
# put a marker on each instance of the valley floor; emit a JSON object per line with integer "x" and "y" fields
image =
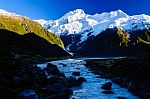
{"x": 21, "y": 77}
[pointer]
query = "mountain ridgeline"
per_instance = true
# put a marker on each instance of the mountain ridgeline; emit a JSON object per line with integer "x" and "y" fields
{"x": 19, "y": 34}
{"x": 107, "y": 34}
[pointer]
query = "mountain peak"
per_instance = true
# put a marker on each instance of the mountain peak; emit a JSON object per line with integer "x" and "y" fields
{"x": 121, "y": 12}
{"x": 77, "y": 11}
{"x": 77, "y": 22}
{"x": 118, "y": 13}
{"x": 70, "y": 17}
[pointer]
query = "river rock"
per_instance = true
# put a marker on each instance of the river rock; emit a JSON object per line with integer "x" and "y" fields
{"x": 76, "y": 73}
{"x": 28, "y": 94}
{"x": 107, "y": 86}
{"x": 81, "y": 79}
{"x": 52, "y": 69}
{"x": 72, "y": 81}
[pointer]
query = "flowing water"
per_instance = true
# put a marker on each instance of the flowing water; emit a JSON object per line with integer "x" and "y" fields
{"x": 91, "y": 89}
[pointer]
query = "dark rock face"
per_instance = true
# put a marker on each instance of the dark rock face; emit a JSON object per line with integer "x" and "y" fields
{"x": 41, "y": 45}
{"x": 111, "y": 42}
{"x": 29, "y": 44}
{"x": 107, "y": 86}
{"x": 71, "y": 40}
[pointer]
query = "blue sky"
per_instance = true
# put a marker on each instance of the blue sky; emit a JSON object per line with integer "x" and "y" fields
{"x": 54, "y": 9}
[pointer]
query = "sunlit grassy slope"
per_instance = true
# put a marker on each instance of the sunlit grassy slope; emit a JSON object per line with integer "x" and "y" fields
{"x": 23, "y": 25}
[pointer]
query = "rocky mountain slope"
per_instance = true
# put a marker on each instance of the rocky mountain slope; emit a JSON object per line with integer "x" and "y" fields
{"x": 80, "y": 31}
{"x": 21, "y": 34}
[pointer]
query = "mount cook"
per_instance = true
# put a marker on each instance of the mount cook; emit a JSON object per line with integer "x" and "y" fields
{"x": 82, "y": 32}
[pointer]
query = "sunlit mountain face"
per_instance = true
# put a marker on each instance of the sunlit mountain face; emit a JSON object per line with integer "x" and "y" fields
{"x": 81, "y": 32}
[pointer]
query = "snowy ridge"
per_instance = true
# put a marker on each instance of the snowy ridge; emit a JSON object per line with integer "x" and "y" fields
{"x": 41, "y": 21}
{"x": 10, "y": 14}
{"x": 77, "y": 22}
{"x": 4, "y": 12}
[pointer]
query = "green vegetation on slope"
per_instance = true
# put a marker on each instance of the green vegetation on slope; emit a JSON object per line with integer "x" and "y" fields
{"x": 147, "y": 41}
{"x": 124, "y": 37}
{"x": 23, "y": 25}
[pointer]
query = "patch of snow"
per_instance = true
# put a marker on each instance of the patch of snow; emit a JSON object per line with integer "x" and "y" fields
{"x": 41, "y": 21}
{"x": 11, "y": 14}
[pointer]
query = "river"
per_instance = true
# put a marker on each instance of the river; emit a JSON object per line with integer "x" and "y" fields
{"x": 91, "y": 89}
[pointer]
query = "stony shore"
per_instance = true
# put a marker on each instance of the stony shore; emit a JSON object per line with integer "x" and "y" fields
{"x": 131, "y": 73}
{"x": 21, "y": 78}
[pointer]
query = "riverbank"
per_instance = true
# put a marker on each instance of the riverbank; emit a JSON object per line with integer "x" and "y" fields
{"x": 131, "y": 73}
{"x": 21, "y": 78}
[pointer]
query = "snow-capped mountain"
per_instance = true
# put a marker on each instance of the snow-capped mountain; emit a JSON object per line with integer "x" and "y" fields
{"x": 77, "y": 22}
{"x": 76, "y": 27}
{"x": 91, "y": 34}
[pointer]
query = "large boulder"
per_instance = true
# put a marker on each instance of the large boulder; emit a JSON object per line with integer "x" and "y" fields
{"x": 76, "y": 73}
{"x": 52, "y": 69}
{"x": 81, "y": 79}
{"x": 72, "y": 81}
{"x": 107, "y": 86}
